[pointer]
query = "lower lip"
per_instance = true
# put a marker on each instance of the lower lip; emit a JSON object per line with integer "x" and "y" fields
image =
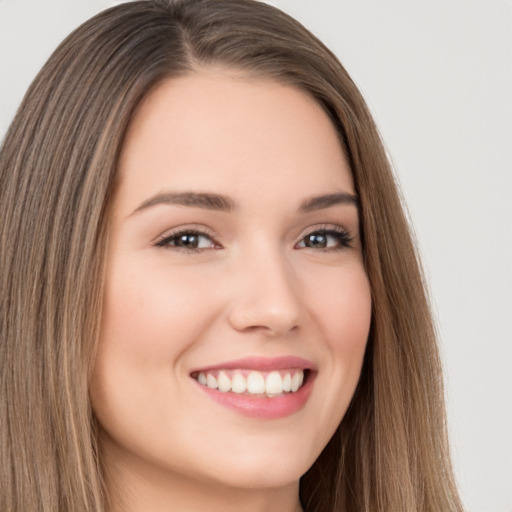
{"x": 262, "y": 406}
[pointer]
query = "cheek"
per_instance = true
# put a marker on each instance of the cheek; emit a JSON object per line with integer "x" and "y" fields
{"x": 351, "y": 326}
{"x": 343, "y": 311}
{"x": 153, "y": 314}
{"x": 343, "y": 308}
{"x": 148, "y": 321}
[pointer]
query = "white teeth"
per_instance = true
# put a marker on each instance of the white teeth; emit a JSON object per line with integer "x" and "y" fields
{"x": 238, "y": 384}
{"x": 297, "y": 381}
{"x": 287, "y": 382}
{"x": 224, "y": 382}
{"x": 272, "y": 384}
{"x": 255, "y": 383}
{"x": 211, "y": 381}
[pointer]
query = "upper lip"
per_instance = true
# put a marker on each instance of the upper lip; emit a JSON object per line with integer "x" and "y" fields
{"x": 261, "y": 364}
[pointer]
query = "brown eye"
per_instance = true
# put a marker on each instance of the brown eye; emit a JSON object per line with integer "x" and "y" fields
{"x": 316, "y": 240}
{"x": 188, "y": 240}
{"x": 326, "y": 239}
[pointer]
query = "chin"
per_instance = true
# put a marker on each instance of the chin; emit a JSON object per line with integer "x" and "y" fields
{"x": 262, "y": 470}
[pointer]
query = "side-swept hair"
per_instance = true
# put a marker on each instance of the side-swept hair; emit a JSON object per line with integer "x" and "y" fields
{"x": 57, "y": 174}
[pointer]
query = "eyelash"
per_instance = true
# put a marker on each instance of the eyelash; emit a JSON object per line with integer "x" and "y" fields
{"x": 341, "y": 235}
{"x": 167, "y": 239}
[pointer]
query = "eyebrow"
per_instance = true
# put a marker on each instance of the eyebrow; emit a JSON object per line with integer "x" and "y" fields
{"x": 217, "y": 202}
{"x": 328, "y": 200}
{"x": 206, "y": 201}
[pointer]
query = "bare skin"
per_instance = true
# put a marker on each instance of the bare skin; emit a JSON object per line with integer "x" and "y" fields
{"x": 271, "y": 272}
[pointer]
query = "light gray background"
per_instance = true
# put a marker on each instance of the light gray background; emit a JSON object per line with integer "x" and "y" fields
{"x": 437, "y": 74}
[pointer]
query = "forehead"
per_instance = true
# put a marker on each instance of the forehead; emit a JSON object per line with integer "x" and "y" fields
{"x": 218, "y": 130}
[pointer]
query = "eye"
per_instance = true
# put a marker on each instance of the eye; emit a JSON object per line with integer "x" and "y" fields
{"x": 326, "y": 239}
{"x": 188, "y": 240}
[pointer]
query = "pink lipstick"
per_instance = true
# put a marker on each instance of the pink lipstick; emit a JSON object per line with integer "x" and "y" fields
{"x": 259, "y": 387}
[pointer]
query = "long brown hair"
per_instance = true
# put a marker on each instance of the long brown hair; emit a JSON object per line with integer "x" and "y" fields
{"x": 57, "y": 174}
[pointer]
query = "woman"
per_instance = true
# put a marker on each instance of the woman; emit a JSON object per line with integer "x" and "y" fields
{"x": 207, "y": 279}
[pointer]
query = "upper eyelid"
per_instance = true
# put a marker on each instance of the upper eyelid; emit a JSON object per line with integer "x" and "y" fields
{"x": 205, "y": 230}
{"x": 199, "y": 230}
{"x": 325, "y": 227}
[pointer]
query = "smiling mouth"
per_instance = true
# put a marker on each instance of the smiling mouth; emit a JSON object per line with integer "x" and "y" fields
{"x": 253, "y": 383}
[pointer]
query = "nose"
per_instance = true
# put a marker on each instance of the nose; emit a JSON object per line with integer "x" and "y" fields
{"x": 265, "y": 296}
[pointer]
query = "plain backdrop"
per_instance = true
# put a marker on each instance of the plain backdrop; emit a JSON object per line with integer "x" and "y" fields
{"x": 437, "y": 75}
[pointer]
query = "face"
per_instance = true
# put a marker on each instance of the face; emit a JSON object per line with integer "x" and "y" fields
{"x": 236, "y": 307}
